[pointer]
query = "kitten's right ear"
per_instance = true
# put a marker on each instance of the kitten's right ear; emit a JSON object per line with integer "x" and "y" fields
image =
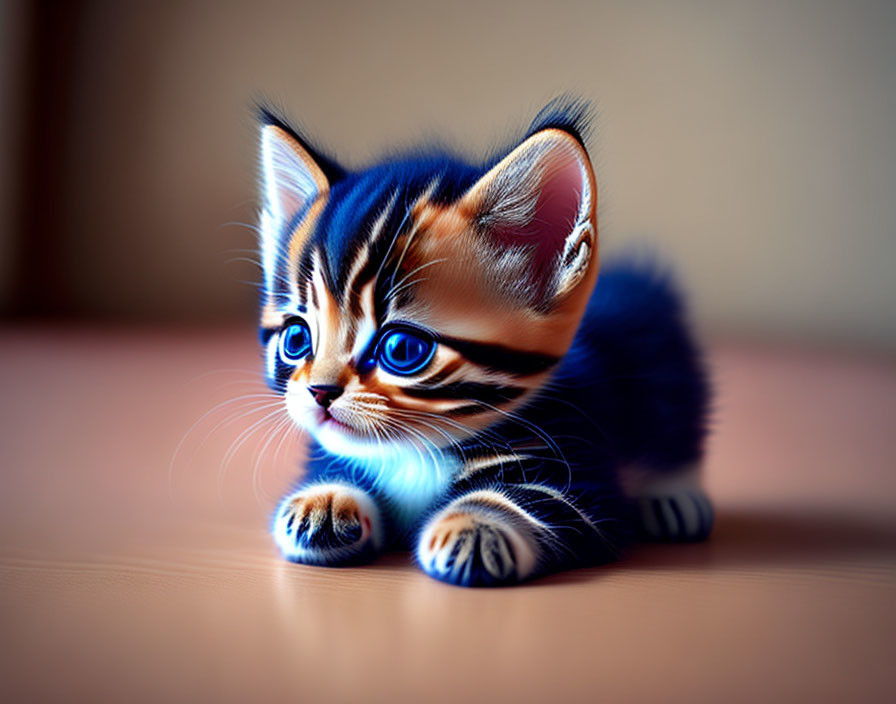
{"x": 295, "y": 183}
{"x": 292, "y": 181}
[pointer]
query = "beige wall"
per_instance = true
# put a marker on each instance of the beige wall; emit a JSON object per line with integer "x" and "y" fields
{"x": 753, "y": 141}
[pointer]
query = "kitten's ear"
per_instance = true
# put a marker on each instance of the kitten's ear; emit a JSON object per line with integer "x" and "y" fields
{"x": 295, "y": 183}
{"x": 291, "y": 179}
{"x": 536, "y": 208}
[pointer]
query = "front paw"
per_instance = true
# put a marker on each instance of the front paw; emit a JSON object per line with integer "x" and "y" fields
{"x": 328, "y": 524}
{"x": 471, "y": 544}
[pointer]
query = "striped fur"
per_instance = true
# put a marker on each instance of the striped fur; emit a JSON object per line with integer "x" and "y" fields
{"x": 498, "y": 458}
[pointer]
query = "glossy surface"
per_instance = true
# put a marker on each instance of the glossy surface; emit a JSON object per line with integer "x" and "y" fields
{"x": 126, "y": 576}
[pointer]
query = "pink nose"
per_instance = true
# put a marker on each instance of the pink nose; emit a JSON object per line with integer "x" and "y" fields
{"x": 325, "y": 394}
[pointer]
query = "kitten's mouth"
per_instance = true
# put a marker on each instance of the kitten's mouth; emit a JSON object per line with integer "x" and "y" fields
{"x": 324, "y": 417}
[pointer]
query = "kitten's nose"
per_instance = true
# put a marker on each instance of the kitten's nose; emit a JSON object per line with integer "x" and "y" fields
{"x": 325, "y": 394}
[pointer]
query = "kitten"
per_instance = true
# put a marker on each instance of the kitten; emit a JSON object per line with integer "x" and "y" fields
{"x": 435, "y": 327}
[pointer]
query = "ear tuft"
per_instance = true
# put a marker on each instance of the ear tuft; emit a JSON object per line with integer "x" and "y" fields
{"x": 565, "y": 113}
{"x": 269, "y": 117}
{"x": 535, "y": 209}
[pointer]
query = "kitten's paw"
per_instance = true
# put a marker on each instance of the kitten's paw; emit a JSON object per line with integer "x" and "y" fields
{"x": 328, "y": 524}
{"x": 478, "y": 541}
{"x": 681, "y": 516}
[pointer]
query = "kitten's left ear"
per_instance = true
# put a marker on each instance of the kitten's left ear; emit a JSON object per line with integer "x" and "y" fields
{"x": 536, "y": 208}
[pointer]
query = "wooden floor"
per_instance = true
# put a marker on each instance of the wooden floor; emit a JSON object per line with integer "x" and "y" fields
{"x": 135, "y": 562}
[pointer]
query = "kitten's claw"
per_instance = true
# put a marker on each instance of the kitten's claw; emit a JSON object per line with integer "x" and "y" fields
{"x": 476, "y": 548}
{"x": 328, "y": 524}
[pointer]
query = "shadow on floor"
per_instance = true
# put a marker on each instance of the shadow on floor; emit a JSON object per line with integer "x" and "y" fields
{"x": 744, "y": 539}
{"x": 753, "y": 538}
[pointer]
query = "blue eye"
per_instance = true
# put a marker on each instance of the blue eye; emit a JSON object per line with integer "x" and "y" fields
{"x": 405, "y": 352}
{"x": 295, "y": 342}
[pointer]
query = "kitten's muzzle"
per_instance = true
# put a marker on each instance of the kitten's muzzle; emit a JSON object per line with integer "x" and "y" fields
{"x": 325, "y": 394}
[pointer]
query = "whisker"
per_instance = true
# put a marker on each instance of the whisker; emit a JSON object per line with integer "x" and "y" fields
{"x": 239, "y": 442}
{"x": 395, "y": 288}
{"x": 280, "y": 428}
{"x": 516, "y": 418}
{"x": 263, "y": 401}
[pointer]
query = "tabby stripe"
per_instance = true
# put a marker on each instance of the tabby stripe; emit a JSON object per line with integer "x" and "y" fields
{"x": 486, "y": 393}
{"x": 306, "y": 273}
{"x": 490, "y": 498}
{"x": 353, "y": 285}
{"x": 477, "y": 464}
{"x": 679, "y": 518}
{"x": 442, "y": 374}
{"x": 364, "y": 276}
{"x": 314, "y": 298}
{"x": 468, "y": 410}
{"x": 501, "y": 358}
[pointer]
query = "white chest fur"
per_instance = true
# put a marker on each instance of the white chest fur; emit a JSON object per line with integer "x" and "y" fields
{"x": 411, "y": 479}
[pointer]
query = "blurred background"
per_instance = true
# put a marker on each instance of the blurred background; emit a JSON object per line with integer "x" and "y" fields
{"x": 141, "y": 458}
{"x": 752, "y": 142}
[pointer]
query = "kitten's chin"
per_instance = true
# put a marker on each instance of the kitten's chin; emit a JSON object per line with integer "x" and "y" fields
{"x": 340, "y": 439}
{"x": 336, "y": 437}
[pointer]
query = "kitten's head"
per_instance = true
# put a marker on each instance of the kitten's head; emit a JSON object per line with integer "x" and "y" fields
{"x": 421, "y": 300}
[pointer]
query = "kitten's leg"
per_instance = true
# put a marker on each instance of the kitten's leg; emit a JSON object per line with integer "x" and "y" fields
{"x": 672, "y": 508}
{"x": 506, "y": 534}
{"x": 328, "y": 524}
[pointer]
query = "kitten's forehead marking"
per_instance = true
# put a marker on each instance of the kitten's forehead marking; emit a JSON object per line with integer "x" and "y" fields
{"x": 417, "y": 209}
{"x": 346, "y": 319}
{"x": 366, "y": 328}
{"x": 340, "y": 335}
